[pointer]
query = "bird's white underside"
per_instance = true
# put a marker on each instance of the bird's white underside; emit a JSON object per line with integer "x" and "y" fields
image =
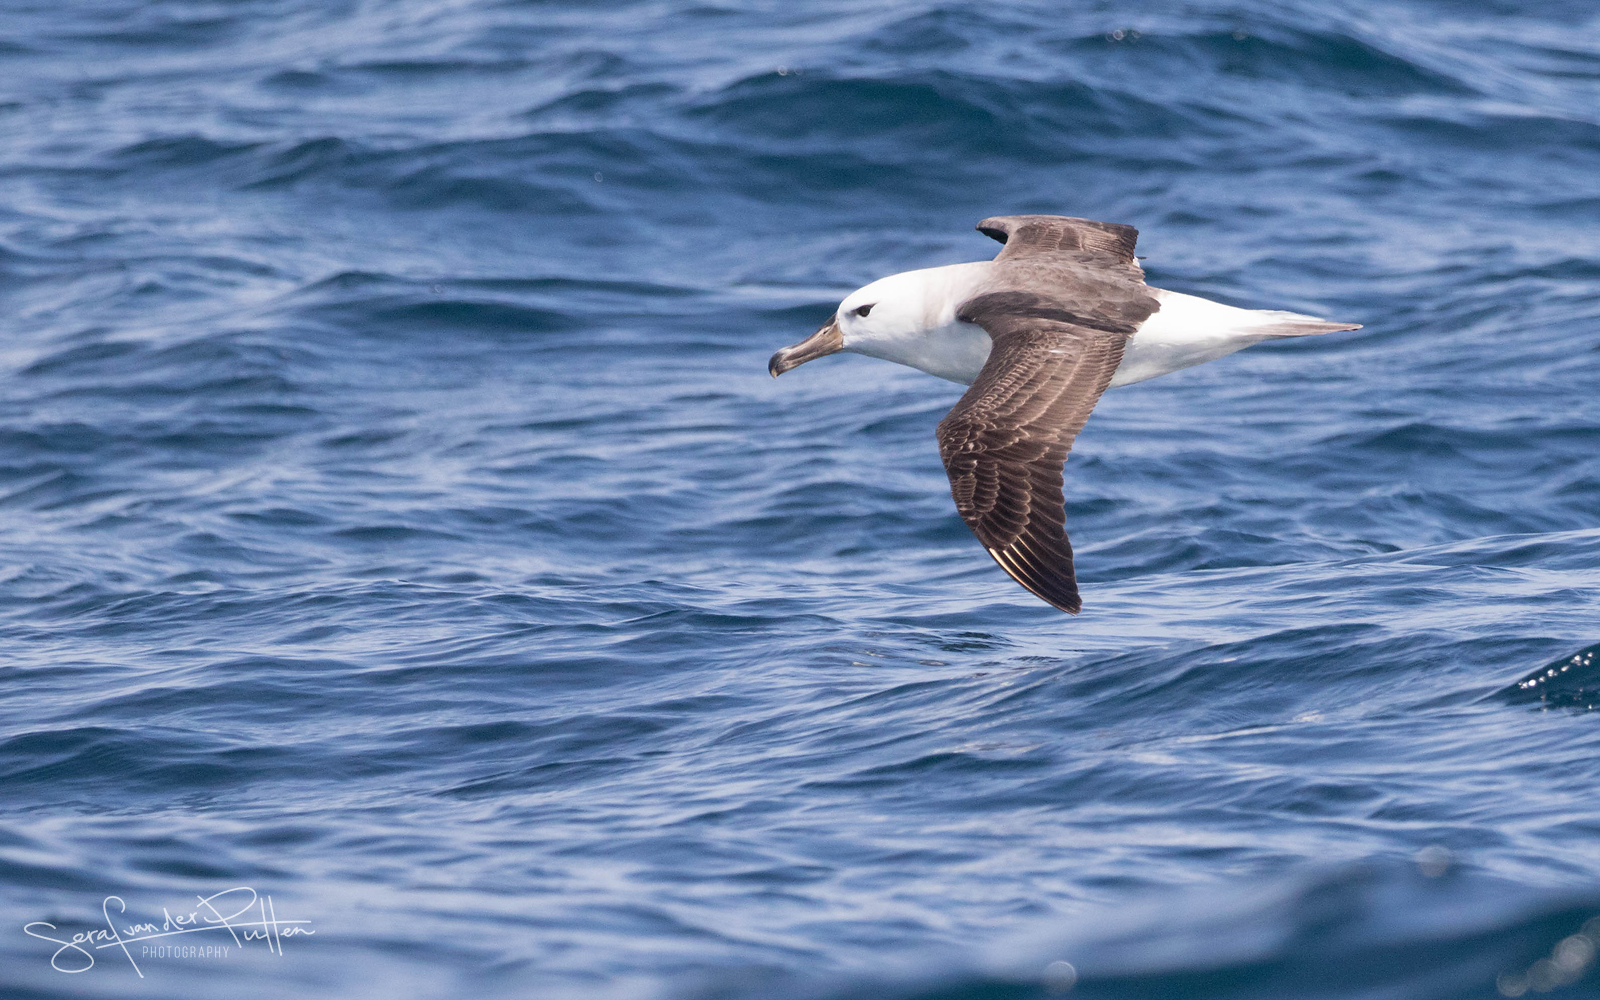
{"x": 913, "y": 322}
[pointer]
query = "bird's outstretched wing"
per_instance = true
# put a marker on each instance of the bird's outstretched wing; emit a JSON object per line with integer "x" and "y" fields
{"x": 1034, "y": 235}
{"x": 1004, "y": 443}
{"x": 1066, "y": 297}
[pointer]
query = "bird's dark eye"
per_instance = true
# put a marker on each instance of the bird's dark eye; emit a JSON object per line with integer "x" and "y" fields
{"x": 861, "y": 310}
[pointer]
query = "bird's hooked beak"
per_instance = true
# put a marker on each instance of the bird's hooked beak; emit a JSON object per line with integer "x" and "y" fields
{"x": 828, "y": 340}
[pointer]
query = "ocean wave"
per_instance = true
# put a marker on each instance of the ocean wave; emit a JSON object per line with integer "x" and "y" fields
{"x": 1349, "y": 930}
{"x": 399, "y": 517}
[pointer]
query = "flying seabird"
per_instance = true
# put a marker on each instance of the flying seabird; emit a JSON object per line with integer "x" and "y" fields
{"x": 1060, "y": 315}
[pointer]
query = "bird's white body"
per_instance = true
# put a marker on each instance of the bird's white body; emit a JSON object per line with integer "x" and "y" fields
{"x": 912, "y": 321}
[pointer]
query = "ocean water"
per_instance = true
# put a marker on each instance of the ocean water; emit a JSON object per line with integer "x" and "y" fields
{"x": 404, "y": 549}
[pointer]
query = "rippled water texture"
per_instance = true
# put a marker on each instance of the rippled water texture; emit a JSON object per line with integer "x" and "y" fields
{"x": 399, "y": 521}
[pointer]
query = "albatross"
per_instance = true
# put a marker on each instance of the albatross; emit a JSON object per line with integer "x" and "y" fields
{"x": 1059, "y": 316}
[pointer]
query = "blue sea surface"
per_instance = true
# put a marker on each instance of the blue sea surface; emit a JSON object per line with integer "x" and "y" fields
{"x": 403, "y": 547}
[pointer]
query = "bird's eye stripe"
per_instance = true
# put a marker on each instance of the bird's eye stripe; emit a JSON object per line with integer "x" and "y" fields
{"x": 862, "y": 310}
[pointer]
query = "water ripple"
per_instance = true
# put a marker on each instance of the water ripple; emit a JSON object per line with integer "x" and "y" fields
{"x": 399, "y": 519}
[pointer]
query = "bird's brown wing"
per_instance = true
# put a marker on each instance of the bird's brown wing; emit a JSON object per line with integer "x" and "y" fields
{"x": 1053, "y": 235}
{"x": 1004, "y": 443}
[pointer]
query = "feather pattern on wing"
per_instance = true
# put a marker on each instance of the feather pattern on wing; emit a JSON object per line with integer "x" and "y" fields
{"x": 1066, "y": 297}
{"x": 1035, "y": 235}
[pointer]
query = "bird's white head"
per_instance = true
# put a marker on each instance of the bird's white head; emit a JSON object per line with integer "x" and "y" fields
{"x": 905, "y": 318}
